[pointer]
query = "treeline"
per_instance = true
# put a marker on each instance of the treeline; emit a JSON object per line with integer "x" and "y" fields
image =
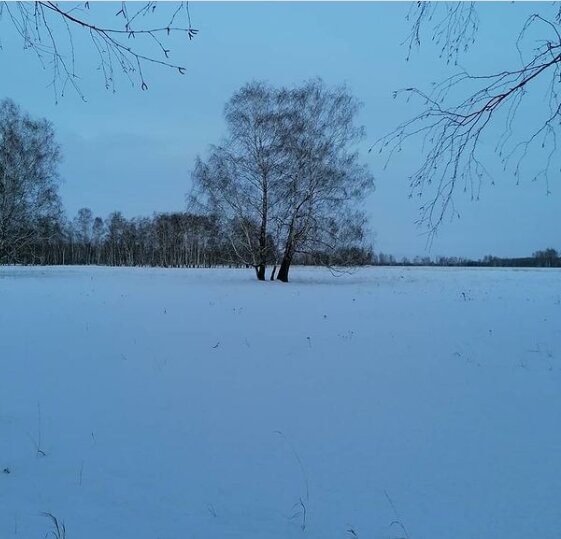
{"x": 187, "y": 240}
{"x": 171, "y": 240}
{"x": 548, "y": 258}
{"x": 165, "y": 240}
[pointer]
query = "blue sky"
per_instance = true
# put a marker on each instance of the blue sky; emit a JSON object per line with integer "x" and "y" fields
{"x": 133, "y": 150}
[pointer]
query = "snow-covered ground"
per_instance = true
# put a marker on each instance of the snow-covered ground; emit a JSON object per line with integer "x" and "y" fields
{"x": 170, "y": 404}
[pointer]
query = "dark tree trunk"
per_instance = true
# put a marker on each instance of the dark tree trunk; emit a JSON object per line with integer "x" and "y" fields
{"x": 260, "y": 270}
{"x": 282, "y": 275}
{"x": 283, "y": 270}
{"x": 273, "y": 271}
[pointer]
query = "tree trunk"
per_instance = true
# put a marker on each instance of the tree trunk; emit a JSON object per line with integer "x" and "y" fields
{"x": 282, "y": 275}
{"x": 273, "y": 271}
{"x": 263, "y": 235}
{"x": 283, "y": 270}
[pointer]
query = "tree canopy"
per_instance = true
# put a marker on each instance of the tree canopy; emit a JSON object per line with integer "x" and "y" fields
{"x": 29, "y": 159}
{"x": 287, "y": 177}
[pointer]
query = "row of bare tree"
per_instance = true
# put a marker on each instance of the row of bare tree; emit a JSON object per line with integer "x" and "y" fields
{"x": 165, "y": 240}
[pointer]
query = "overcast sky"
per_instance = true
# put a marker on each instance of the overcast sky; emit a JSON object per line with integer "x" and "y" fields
{"x": 132, "y": 150}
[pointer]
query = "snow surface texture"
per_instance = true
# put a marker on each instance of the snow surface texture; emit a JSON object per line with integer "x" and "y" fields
{"x": 169, "y": 404}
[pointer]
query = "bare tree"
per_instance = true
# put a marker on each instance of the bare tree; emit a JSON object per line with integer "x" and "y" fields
{"x": 137, "y": 36}
{"x": 29, "y": 157}
{"x": 239, "y": 181}
{"x": 324, "y": 180}
{"x": 547, "y": 258}
{"x": 98, "y": 231}
{"x": 83, "y": 234}
{"x": 286, "y": 179}
{"x": 516, "y": 111}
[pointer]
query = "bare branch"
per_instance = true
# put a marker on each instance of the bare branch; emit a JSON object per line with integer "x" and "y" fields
{"x": 458, "y": 125}
{"x": 454, "y": 26}
{"x": 48, "y": 28}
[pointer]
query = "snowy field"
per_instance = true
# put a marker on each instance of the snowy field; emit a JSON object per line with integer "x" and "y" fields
{"x": 174, "y": 404}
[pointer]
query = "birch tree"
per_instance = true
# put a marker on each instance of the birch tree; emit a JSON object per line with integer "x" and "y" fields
{"x": 29, "y": 157}
{"x": 238, "y": 182}
{"x": 324, "y": 180}
{"x": 287, "y": 179}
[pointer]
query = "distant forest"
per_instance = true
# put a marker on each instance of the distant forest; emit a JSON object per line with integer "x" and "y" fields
{"x": 170, "y": 240}
{"x": 181, "y": 239}
{"x": 548, "y": 258}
